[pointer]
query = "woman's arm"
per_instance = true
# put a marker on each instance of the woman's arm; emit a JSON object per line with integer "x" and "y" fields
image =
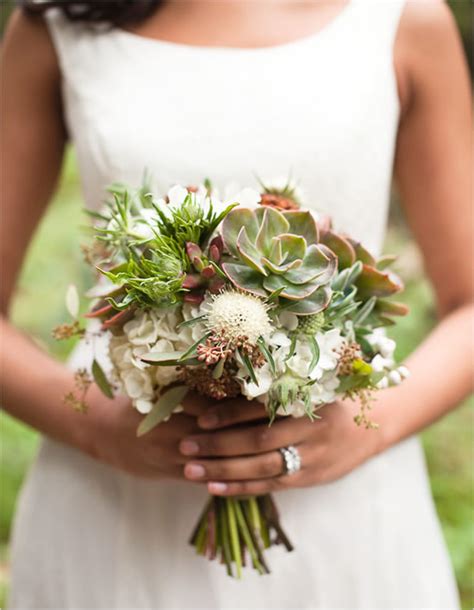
{"x": 32, "y": 142}
{"x": 433, "y": 170}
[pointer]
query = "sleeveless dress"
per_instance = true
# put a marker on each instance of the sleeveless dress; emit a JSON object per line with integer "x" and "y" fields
{"x": 325, "y": 110}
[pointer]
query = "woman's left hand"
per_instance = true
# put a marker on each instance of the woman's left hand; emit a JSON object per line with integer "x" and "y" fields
{"x": 238, "y": 453}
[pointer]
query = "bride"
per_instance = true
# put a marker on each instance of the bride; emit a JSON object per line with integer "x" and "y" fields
{"x": 343, "y": 94}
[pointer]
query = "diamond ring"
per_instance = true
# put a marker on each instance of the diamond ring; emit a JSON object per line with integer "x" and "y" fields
{"x": 291, "y": 459}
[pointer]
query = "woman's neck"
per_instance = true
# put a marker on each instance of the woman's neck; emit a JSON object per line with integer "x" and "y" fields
{"x": 239, "y": 23}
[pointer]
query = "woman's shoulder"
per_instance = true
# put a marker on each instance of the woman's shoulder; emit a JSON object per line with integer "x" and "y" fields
{"x": 28, "y": 47}
{"x": 427, "y": 42}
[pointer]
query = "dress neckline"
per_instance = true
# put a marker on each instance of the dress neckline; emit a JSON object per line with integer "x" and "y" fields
{"x": 291, "y": 44}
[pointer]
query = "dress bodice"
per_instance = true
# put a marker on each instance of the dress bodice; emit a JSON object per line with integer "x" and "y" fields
{"x": 323, "y": 109}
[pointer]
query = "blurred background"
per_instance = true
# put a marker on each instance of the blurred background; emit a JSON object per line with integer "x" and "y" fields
{"x": 54, "y": 261}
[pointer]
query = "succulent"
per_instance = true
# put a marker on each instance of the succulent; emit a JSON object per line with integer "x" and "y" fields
{"x": 277, "y": 254}
{"x": 371, "y": 278}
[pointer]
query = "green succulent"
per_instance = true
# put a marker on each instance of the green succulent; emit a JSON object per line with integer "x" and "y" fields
{"x": 277, "y": 254}
{"x": 365, "y": 279}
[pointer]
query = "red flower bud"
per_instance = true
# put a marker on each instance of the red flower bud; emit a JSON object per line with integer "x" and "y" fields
{"x": 208, "y": 272}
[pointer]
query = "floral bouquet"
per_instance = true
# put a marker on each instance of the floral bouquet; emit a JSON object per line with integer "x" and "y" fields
{"x": 255, "y": 297}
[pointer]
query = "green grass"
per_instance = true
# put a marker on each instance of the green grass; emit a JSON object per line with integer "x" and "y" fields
{"x": 54, "y": 261}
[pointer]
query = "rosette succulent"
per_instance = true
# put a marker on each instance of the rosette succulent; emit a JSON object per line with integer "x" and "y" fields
{"x": 276, "y": 254}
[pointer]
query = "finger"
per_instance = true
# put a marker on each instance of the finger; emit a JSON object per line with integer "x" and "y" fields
{"x": 231, "y": 412}
{"x": 255, "y": 487}
{"x": 260, "y": 466}
{"x": 196, "y": 404}
{"x": 173, "y": 430}
{"x": 248, "y": 440}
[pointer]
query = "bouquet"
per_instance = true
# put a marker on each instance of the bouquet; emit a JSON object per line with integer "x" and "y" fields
{"x": 255, "y": 296}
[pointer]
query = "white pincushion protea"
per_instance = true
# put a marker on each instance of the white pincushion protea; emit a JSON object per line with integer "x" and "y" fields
{"x": 234, "y": 315}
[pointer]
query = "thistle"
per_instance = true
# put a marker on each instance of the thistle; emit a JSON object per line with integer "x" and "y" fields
{"x": 276, "y": 254}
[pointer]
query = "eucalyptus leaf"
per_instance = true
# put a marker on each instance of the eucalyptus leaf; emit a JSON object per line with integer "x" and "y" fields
{"x": 162, "y": 409}
{"x": 101, "y": 379}
{"x": 72, "y": 301}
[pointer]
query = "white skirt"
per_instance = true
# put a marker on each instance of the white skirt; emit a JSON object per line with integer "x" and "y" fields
{"x": 86, "y": 536}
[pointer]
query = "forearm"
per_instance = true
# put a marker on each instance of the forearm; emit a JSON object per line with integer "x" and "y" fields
{"x": 441, "y": 377}
{"x": 33, "y": 386}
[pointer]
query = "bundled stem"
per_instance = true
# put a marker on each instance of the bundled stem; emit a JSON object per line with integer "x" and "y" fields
{"x": 233, "y": 529}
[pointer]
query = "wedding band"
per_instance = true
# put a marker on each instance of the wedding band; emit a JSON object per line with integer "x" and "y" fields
{"x": 291, "y": 459}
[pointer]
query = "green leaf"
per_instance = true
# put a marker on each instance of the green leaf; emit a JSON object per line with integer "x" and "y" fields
{"x": 364, "y": 311}
{"x": 249, "y": 366}
{"x": 233, "y": 223}
{"x": 293, "y": 246}
{"x": 162, "y": 409}
{"x": 315, "y": 352}
{"x": 192, "y": 349}
{"x": 385, "y": 261}
{"x": 315, "y": 303}
{"x": 273, "y": 224}
{"x": 190, "y": 322}
{"x": 292, "y": 350}
{"x": 319, "y": 264}
{"x": 290, "y": 291}
{"x": 248, "y": 252}
{"x": 302, "y": 223}
{"x": 218, "y": 369}
{"x": 372, "y": 282}
{"x": 244, "y": 278}
{"x": 167, "y": 358}
{"x": 101, "y": 379}
{"x": 341, "y": 247}
{"x": 267, "y": 354}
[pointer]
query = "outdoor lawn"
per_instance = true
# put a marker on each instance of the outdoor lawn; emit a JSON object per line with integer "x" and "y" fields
{"x": 54, "y": 261}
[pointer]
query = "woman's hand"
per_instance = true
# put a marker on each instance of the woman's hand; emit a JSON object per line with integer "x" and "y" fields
{"x": 244, "y": 459}
{"x": 109, "y": 434}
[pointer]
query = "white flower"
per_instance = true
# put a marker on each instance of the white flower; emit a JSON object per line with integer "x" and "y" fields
{"x": 164, "y": 375}
{"x": 142, "y": 329}
{"x": 143, "y": 406}
{"x": 236, "y": 314}
{"x": 380, "y": 364}
{"x": 120, "y": 352}
{"x": 143, "y": 224}
{"x": 264, "y": 379}
{"x": 176, "y": 195}
{"x": 381, "y": 343}
{"x": 295, "y": 409}
{"x": 394, "y": 377}
{"x": 329, "y": 343}
{"x": 288, "y": 320}
{"x": 404, "y": 372}
{"x": 247, "y": 197}
{"x": 137, "y": 383}
{"x": 324, "y": 390}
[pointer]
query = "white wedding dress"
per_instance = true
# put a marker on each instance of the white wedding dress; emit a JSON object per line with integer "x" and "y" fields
{"x": 325, "y": 110}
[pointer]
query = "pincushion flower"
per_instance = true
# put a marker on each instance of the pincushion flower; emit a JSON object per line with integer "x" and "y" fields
{"x": 235, "y": 315}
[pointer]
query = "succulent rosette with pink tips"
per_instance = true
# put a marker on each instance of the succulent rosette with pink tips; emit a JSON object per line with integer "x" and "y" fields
{"x": 255, "y": 296}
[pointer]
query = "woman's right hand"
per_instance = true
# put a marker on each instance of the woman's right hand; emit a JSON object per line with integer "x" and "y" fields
{"x": 109, "y": 434}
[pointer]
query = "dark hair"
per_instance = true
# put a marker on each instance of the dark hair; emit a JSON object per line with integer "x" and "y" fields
{"x": 116, "y": 12}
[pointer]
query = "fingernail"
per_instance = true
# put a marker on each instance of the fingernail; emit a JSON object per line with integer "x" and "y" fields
{"x": 217, "y": 488}
{"x": 208, "y": 421}
{"x": 189, "y": 447}
{"x": 194, "y": 471}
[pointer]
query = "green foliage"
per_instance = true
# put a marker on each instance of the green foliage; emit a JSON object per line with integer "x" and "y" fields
{"x": 189, "y": 222}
